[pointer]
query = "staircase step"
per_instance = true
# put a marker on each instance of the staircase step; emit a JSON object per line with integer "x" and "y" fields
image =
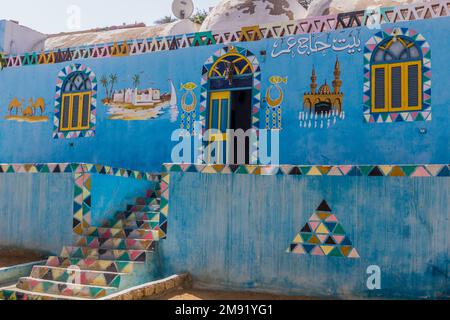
{"x": 94, "y": 264}
{"x": 134, "y": 208}
{"x": 22, "y": 295}
{"x": 84, "y": 277}
{"x": 115, "y": 243}
{"x": 103, "y": 254}
{"x": 124, "y": 233}
{"x": 139, "y": 215}
{"x": 137, "y": 224}
{"x": 148, "y": 201}
{"x": 64, "y": 289}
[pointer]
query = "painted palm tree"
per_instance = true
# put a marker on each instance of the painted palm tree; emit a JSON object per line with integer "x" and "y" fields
{"x": 105, "y": 83}
{"x": 112, "y": 82}
{"x": 136, "y": 81}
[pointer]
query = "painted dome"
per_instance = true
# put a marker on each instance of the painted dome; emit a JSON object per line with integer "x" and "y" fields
{"x": 326, "y": 7}
{"x": 234, "y": 14}
{"x": 325, "y": 89}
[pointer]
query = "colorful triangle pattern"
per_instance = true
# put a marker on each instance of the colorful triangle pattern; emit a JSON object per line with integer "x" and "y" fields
{"x": 323, "y": 235}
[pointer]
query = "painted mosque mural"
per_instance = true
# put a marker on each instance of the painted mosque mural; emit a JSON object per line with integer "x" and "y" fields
{"x": 31, "y": 112}
{"x": 323, "y": 106}
{"x": 136, "y": 103}
{"x": 274, "y": 99}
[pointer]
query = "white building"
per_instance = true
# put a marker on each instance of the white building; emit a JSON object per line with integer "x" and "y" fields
{"x": 137, "y": 97}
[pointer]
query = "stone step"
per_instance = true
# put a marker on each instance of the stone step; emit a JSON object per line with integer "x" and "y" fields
{"x": 103, "y": 254}
{"x": 84, "y": 277}
{"x": 94, "y": 264}
{"x": 64, "y": 289}
{"x": 124, "y": 233}
{"x": 115, "y": 243}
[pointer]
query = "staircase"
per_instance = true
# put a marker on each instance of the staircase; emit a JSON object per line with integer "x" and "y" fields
{"x": 102, "y": 260}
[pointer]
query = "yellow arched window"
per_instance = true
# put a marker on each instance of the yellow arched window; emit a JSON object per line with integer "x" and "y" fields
{"x": 76, "y": 103}
{"x": 396, "y": 76}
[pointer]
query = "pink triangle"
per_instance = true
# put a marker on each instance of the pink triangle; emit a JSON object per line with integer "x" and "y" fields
{"x": 323, "y": 237}
{"x": 332, "y": 218}
{"x": 338, "y": 239}
{"x": 353, "y": 254}
{"x": 313, "y": 225}
{"x": 299, "y": 250}
{"x": 345, "y": 169}
{"x": 317, "y": 251}
{"x": 420, "y": 172}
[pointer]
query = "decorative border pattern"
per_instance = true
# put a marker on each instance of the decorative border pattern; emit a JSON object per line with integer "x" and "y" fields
{"x": 419, "y": 171}
{"x": 164, "y": 206}
{"x": 412, "y": 171}
{"x": 78, "y": 168}
{"x": 408, "y": 116}
{"x": 408, "y": 12}
{"x": 256, "y": 102}
{"x": 58, "y": 101}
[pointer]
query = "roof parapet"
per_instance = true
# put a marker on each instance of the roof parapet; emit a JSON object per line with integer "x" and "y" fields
{"x": 367, "y": 18}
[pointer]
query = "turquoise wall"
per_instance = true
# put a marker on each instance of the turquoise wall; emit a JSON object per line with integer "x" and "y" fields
{"x": 232, "y": 232}
{"x": 145, "y": 145}
{"x": 111, "y": 194}
{"x": 36, "y": 211}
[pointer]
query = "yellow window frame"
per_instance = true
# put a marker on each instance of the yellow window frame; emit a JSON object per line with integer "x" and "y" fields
{"x": 71, "y": 96}
{"x": 222, "y": 136}
{"x": 239, "y": 57}
{"x": 404, "y": 83}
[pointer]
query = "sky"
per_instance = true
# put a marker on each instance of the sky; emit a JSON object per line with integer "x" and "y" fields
{"x": 53, "y": 16}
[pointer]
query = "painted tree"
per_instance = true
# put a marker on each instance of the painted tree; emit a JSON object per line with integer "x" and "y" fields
{"x": 112, "y": 82}
{"x": 199, "y": 16}
{"x": 165, "y": 19}
{"x": 136, "y": 81}
{"x": 105, "y": 83}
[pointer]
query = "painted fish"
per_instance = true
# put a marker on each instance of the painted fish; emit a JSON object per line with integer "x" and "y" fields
{"x": 278, "y": 79}
{"x": 188, "y": 86}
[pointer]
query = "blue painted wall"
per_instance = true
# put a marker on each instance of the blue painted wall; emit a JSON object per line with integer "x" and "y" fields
{"x": 111, "y": 194}
{"x": 36, "y": 211}
{"x": 145, "y": 145}
{"x": 235, "y": 230}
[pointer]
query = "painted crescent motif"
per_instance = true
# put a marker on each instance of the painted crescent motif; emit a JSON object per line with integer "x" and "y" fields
{"x": 189, "y": 107}
{"x": 274, "y": 102}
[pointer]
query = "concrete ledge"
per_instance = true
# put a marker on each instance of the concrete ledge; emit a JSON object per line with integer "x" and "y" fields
{"x": 11, "y": 274}
{"x": 152, "y": 289}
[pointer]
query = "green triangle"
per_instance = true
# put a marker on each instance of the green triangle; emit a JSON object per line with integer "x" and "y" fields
{"x": 408, "y": 170}
{"x": 242, "y": 170}
{"x": 335, "y": 253}
{"x": 365, "y": 170}
{"x": 419, "y": 117}
{"x": 115, "y": 283}
{"x": 339, "y": 230}
{"x": 306, "y": 236}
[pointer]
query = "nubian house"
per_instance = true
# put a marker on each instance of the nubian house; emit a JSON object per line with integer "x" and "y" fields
{"x": 118, "y": 156}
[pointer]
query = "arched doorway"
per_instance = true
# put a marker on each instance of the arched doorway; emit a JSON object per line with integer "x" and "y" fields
{"x": 230, "y": 100}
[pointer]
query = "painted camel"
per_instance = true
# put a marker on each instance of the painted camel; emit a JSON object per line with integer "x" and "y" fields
{"x": 15, "y": 104}
{"x": 39, "y": 104}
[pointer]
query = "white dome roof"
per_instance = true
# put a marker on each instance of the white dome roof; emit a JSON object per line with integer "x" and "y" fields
{"x": 325, "y": 7}
{"x": 234, "y": 14}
